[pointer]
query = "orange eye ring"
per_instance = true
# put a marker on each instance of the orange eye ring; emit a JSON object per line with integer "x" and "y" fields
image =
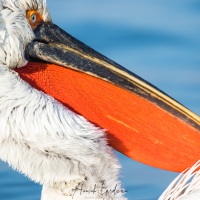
{"x": 34, "y": 18}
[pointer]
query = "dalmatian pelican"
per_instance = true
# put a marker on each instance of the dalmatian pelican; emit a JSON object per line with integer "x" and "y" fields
{"x": 63, "y": 106}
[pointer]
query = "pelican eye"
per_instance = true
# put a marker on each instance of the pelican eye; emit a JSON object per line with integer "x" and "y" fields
{"x": 34, "y": 18}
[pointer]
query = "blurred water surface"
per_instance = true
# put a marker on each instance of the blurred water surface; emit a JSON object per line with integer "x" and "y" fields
{"x": 158, "y": 40}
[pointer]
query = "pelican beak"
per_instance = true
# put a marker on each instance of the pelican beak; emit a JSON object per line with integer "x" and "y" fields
{"x": 143, "y": 122}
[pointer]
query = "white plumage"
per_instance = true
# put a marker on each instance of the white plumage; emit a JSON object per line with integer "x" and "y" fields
{"x": 38, "y": 136}
{"x": 45, "y": 140}
{"x": 185, "y": 187}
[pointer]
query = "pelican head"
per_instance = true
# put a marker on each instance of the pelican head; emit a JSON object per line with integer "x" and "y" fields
{"x": 16, "y": 28}
{"x": 58, "y": 145}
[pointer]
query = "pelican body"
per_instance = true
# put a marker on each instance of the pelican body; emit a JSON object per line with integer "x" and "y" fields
{"x": 57, "y": 113}
{"x": 38, "y": 136}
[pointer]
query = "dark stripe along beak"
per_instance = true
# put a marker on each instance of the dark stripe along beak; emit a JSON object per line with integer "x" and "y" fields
{"x": 53, "y": 45}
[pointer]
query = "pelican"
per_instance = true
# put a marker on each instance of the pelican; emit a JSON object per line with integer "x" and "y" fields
{"x": 63, "y": 106}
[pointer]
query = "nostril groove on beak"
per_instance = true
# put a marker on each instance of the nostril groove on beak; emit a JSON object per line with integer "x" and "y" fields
{"x": 31, "y": 51}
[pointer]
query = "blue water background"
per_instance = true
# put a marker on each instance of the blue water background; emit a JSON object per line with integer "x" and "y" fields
{"x": 158, "y": 40}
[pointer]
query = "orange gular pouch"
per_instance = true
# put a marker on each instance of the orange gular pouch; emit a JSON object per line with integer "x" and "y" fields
{"x": 137, "y": 127}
